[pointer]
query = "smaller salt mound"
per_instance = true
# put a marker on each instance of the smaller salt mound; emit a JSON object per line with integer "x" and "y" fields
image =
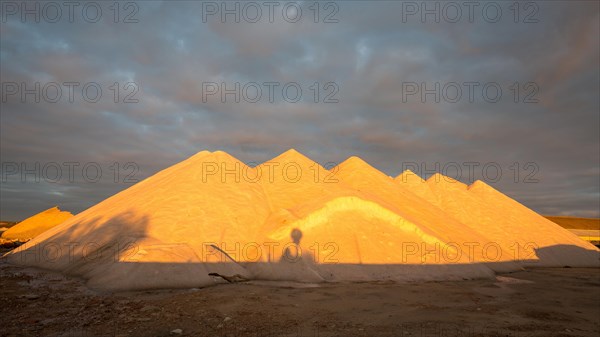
{"x": 36, "y": 225}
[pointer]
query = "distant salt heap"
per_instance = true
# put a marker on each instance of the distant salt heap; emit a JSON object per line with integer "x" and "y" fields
{"x": 291, "y": 219}
{"x": 37, "y": 224}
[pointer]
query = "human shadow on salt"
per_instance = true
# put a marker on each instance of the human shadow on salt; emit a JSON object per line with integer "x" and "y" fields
{"x": 295, "y": 264}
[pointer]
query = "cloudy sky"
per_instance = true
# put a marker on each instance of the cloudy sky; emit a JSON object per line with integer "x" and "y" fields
{"x": 132, "y": 88}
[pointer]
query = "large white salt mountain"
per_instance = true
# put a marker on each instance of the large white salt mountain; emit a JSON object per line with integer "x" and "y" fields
{"x": 291, "y": 219}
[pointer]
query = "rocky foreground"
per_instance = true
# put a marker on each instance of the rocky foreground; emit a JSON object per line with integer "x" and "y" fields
{"x": 537, "y": 302}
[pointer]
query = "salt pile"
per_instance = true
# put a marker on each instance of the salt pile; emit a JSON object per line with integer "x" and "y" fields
{"x": 291, "y": 219}
{"x": 522, "y": 233}
{"x": 37, "y": 224}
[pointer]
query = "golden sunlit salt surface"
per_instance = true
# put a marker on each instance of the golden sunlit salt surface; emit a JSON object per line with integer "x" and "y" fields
{"x": 37, "y": 224}
{"x": 290, "y": 219}
{"x": 524, "y": 234}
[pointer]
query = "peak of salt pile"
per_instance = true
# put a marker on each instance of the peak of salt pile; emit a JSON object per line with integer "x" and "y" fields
{"x": 357, "y": 164}
{"x": 409, "y": 177}
{"x": 360, "y": 175}
{"x": 291, "y": 179}
{"x": 291, "y": 154}
{"x": 291, "y": 158}
{"x": 291, "y": 219}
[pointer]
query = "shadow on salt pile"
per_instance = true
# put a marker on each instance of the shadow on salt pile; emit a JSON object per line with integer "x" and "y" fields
{"x": 114, "y": 254}
{"x": 84, "y": 248}
{"x": 563, "y": 256}
{"x": 153, "y": 275}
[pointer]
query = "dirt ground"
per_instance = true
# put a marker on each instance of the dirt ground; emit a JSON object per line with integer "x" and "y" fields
{"x": 537, "y": 302}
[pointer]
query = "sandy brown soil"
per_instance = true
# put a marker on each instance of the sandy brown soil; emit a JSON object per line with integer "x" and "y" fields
{"x": 538, "y": 302}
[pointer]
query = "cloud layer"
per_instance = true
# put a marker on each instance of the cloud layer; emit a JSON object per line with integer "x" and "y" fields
{"x": 542, "y": 132}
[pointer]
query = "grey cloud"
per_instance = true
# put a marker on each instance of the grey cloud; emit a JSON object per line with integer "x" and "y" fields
{"x": 370, "y": 53}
